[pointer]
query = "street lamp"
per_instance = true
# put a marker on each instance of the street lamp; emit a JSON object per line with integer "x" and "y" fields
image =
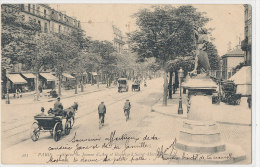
{"x": 181, "y": 75}
{"x": 7, "y": 92}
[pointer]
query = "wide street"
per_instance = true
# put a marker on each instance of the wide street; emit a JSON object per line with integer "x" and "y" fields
{"x": 152, "y": 128}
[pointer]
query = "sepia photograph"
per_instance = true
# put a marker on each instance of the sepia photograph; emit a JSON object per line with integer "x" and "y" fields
{"x": 126, "y": 84}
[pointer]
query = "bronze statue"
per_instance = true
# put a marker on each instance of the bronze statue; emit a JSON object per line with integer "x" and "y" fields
{"x": 201, "y": 57}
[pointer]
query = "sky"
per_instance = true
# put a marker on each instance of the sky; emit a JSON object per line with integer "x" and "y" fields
{"x": 227, "y": 20}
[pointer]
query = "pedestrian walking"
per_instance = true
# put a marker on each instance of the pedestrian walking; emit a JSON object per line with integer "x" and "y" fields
{"x": 17, "y": 93}
{"x": 101, "y": 113}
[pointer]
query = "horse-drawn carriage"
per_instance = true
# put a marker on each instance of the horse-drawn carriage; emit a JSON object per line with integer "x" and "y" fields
{"x": 136, "y": 85}
{"x": 56, "y": 122}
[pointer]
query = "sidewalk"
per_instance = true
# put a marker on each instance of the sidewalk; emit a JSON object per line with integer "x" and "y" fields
{"x": 28, "y": 97}
{"x": 221, "y": 113}
{"x": 172, "y": 106}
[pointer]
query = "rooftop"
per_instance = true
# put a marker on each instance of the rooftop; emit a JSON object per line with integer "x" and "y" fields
{"x": 236, "y": 52}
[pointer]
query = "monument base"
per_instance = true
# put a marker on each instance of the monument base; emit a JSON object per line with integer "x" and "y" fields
{"x": 199, "y": 139}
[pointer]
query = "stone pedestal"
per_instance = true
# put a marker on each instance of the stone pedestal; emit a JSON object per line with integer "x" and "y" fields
{"x": 199, "y": 133}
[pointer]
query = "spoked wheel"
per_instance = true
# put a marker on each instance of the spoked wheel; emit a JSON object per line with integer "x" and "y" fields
{"x": 35, "y": 131}
{"x": 57, "y": 131}
{"x": 67, "y": 127}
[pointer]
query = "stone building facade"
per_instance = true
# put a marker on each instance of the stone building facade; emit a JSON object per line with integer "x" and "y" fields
{"x": 247, "y": 42}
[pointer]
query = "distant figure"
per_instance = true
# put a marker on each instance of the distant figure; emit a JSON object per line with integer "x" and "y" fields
{"x": 20, "y": 92}
{"x": 102, "y": 113}
{"x": 42, "y": 112}
{"x": 17, "y": 93}
{"x": 127, "y": 107}
{"x": 40, "y": 88}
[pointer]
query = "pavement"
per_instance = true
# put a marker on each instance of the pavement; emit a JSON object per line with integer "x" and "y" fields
{"x": 28, "y": 97}
{"x": 221, "y": 113}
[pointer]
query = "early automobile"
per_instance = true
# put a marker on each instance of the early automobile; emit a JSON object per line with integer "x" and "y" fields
{"x": 136, "y": 85}
{"x": 122, "y": 85}
{"x": 53, "y": 123}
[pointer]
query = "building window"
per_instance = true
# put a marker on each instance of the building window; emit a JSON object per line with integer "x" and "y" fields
{"x": 78, "y": 24}
{"x": 22, "y": 7}
{"x": 39, "y": 22}
{"x": 38, "y": 10}
{"x": 59, "y": 28}
{"x": 45, "y": 28}
{"x": 29, "y": 7}
{"x": 52, "y": 27}
{"x": 44, "y": 12}
{"x": 33, "y": 9}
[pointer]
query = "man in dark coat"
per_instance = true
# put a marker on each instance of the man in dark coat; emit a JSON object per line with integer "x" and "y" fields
{"x": 58, "y": 107}
{"x": 102, "y": 112}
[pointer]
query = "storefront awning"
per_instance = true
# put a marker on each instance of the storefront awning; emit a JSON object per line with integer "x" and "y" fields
{"x": 29, "y": 75}
{"x": 243, "y": 76}
{"x": 243, "y": 80}
{"x": 68, "y": 76}
{"x": 48, "y": 76}
{"x": 16, "y": 79}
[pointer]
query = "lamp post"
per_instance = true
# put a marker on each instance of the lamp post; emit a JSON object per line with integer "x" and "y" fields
{"x": 180, "y": 73}
{"x": 7, "y": 92}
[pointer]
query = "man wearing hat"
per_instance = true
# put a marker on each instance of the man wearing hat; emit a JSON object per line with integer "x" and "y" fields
{"x": 127, "y": 108}
{"x": 102, "y": 112}
{"x": 58, "y": 107}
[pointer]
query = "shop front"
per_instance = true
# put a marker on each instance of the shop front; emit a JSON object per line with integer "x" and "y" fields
{"x": 47, "y": 80}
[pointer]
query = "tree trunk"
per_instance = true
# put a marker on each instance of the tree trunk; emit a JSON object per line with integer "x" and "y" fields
{"x": 98, "y": 81}
{"x": 59, "y": 91}
{"x": 176, "y": 82}
{"x": 82, "y": 83}
{"x": 37, "y": 93}
{"x": 165, "y": 88}
{"x": 110, "y": 80}
{"x": 76, "y": 85}
{"x": 91, "y": 79}
{"x": 170, "y": 85}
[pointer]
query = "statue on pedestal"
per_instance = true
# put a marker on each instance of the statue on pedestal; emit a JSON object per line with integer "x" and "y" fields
{"x": 201, "y": 57}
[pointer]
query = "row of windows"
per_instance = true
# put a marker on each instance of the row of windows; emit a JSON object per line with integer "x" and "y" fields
{"x": 45, "y": 26}
{"x": 35, "y": 9}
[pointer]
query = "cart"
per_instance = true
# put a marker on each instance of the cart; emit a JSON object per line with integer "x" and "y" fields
{"x": 136, "y": 86}
{"x": 49, "y": 123}
{"x": 123, "y": 85}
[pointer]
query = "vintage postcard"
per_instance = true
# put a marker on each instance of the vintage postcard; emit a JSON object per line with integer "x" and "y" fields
{"x": 126, "y": 84}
